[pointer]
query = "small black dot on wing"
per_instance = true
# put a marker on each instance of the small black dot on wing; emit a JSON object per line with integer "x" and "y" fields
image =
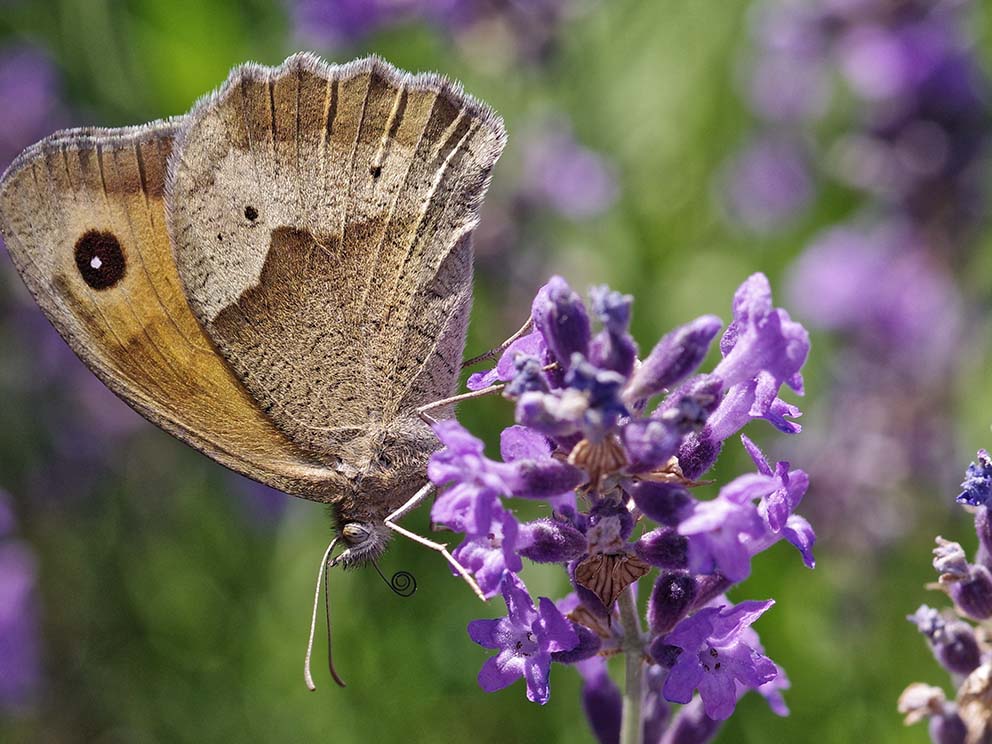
{"x": 100, "y": 259}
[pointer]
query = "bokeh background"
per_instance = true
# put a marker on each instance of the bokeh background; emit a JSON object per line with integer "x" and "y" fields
{"x": 668, "y": 149}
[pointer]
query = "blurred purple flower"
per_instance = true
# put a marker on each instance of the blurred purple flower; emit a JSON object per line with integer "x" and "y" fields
{"x": 20, "y": 652}
{"x": 767, "y": 184}
{"x": 263, "y": 506}
{"x": 29, "y": 98}
{"x": 570, "y": 179}
{"x": 883, "y": 290}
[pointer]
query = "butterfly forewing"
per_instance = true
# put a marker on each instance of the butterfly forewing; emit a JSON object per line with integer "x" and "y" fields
{"x": 320, "y": 217}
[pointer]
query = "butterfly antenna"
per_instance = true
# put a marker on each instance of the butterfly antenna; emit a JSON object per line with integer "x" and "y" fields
{"x": 321, "y": 575}
{"x": 402, "y": 583}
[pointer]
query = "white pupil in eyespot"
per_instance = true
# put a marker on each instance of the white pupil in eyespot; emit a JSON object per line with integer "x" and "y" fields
{"x": 95, "y": 262}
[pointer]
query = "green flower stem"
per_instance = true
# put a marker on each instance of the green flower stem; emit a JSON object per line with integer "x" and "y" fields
{"x": 633, "y": 648}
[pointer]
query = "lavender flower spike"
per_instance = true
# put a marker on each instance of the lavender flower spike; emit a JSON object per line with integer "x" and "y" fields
{"x": 526, "y": 638}
{"x": 977, "y": 482}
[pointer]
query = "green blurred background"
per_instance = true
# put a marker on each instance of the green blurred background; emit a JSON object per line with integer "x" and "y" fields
{"x": 173, "y": 599}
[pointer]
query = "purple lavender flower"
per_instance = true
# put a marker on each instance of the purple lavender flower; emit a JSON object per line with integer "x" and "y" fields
{"x": 601, "y": 700}
{"x": 718, "y": 532}
{"x": 977, "y": 482}
{"x": 477, "y": 482}
{"x": 488, "y": 557}
{"x": 526, "y": 638}
{"x": 713, "y": 657}
{"x": 584, "y": 405}
{"x": 763, "y": 348}
{"x": 561, "y": 318}
{"x": 676, "y": 356}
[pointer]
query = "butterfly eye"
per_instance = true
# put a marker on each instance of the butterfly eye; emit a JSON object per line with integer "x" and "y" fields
{"x": 354, "y": 533}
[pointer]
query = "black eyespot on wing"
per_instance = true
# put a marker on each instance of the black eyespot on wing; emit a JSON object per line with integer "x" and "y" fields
{"x": 100, "y": 259}
{"x": 251, "y": 213}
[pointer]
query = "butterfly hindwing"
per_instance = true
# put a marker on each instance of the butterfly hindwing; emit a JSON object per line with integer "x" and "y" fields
{"x": 84, "y": 221}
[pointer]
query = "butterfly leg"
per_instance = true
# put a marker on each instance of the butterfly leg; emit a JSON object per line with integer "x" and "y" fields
{"x": 428, "y": 419}
{"x": 416, "y": 500}
{"x": 498, "y": 350}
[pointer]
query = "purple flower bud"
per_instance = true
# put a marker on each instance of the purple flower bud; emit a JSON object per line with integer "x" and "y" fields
{"x": 560, "y": 316}
{"x": 556, "y": 414}
{"x": 670, "y": 600}
{"x": 612, "y": 348}
{"x": 551, "y": 541}
{"x": 655, "y": 711}
{"x": 973, "y": 595}
{"x": 528, "y": 378}
{"x": 697, "y": 398}
{"x": 949, "y": 560}
{"x": 664, "y": 547}
{"x": 612, "y": 309}
{"x": 589, "y": 645}
{"x": 649, "y": 444}
{"x": 692, "y": 726}
{"x": 948, "y": 728}
{"x": 609, "y": 521}
{"x": 919, "y": 702}
{"x": 543, "y": 479}
{"x": 977, "y": 483}
{"x": 983, "y": 527}
{"x": 698, "y": 453}
{"x": 601, "y": 701}
{"x": 665, "y": 503}
{"x": 673, "y": 358}
{"x": 953, "y": 642}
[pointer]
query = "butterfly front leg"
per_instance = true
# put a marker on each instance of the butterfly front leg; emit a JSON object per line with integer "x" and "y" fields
{"x": 415, "y": 501}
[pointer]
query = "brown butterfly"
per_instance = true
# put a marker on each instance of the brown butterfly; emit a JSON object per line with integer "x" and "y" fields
{"x": 281, "y": 278}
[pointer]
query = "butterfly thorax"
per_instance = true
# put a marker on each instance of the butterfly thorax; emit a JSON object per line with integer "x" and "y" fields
{"x": 383, "y": 468}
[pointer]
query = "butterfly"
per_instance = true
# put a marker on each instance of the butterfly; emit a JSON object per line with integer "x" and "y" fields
{"x": 281, "y": 278}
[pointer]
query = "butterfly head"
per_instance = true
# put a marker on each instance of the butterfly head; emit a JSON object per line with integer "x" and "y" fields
{"x": 364, "y": 542}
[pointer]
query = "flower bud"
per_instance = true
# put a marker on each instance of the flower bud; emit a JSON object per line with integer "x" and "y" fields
{"x": 560, "y": 316}
{"x": 952, "y": 641}
{"x": 602, "y": 702}
{"x": 674, "y": 357}
{"x": 698, "y": 453}
{"x": 551, "y": 541}
{"x": 973, "y": 595}
{"x": 664, "y": 547}
{"x": 670, "y": 599}
{"x": 589, "y": 645}
{"x": 665, "y": 503}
